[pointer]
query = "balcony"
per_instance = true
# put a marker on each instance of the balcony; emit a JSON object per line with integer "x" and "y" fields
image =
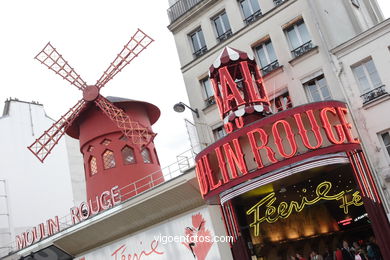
{"x": 302, "y": 49}
{"x": 253, "y": 17}
{"x": 374, "y": 94}
{"x": 279, "y": 2}
{"x": 200, "y": 52}
{"x": 269, "y": 68}
{"x": 181, "y": 7}
{"x": 225, "y": 35}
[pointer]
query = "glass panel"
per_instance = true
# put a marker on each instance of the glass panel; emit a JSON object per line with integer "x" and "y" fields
{"x": 201, "y": 39}
{"x": 303, "y": 33}
{"x": 293, "y": 38}
{"x": 376, "y": 82}
{"x": 146, "y": 155}
{"x": 108, "y": 159}
{"x": 271, "y": 52}
{"x": 208, "y": 88}
{"x": 246, "y": 8}
{"x": 128, "y": 155}
{"x": 195, "y": 42}
{"x": 255, "y": 5}
{"x": 386, "y": 139}
{"x": 313, "y": 91}
{"x": 360, "y": 75}
{"x": 218, "y": 26}
{"x": 225, "y": 21}
{"x": 261, "y": 54}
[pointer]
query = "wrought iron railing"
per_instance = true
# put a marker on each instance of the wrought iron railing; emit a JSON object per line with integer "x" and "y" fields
{"x": 225, "y": 35}
{"x": 250, "y": 19}
{"x": 270, "y": 67}
{"x": 181, "y": 7}
{"x": 210, "y": 101}
{"x": 302, "y": 49}
{"x": 374, "y": 94}
{"x": 200, "y": 52}
{"x": 279, "y": 2}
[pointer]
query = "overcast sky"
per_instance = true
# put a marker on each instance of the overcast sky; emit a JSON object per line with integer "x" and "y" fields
{"x": 89, "y": 34}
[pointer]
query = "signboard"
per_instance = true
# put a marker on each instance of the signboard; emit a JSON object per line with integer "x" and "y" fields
{"x": 273, "y": 142}
{"x": 174, "y": 239}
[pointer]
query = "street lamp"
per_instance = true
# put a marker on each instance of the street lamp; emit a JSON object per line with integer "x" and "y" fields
{"x": 180, "y": 107}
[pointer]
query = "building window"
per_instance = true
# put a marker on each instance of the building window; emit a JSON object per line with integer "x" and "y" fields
{"x": 219, "y": 133}
{"x": 266, "y": 54}
{"x": 146, "y": 155}
{"x": 208, "y": 91}
{"x": 369, "y": 83}
{"x": 106, "y": 142}
{"x": 299, "y": 38}
{"x": 251, "y": 10}
{"x": 92, "y": 165}
{"x": 198, "y": 42}
{"x": 317, "y": 89}
{"x": 108, "y": 159}
{"x": 282, "y": 102}
{"x": 128, "y": 155}
{"x": 386, "y": 142}
{"x": 222, "y": 26}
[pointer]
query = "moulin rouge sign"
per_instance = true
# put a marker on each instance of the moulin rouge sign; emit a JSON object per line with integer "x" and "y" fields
{"x": 105, "y": 200}
{"x": 258, "y": 142}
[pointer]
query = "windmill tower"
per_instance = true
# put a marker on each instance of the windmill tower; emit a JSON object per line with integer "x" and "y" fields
{"x": 115, "y": 134}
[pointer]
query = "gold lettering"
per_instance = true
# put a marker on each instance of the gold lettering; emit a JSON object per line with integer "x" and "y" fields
{"x": 284, "y": 209}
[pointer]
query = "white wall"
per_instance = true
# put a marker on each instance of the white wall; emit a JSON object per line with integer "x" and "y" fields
{"x": 36, "y": 191}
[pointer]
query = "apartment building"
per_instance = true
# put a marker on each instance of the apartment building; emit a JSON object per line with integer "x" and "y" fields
{"x": 308, "y": 52}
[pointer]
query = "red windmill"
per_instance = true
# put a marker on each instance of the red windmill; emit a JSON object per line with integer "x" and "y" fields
{"x": 135, "y": 131}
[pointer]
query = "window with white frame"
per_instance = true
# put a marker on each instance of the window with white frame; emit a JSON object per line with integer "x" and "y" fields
{"x": 266, "y": 54}
{"x": 281, "y": 102}
{"x": 298, "y": 38}
{"x": 317, "y": 89}
{"x": 219, "y": 132}
{"x": 198, "y": 42}
{"x": 250, "y": 9}
{"x": 369, "y": 82}
{"x": 222, "y": 26}
{"x": 208, "y": 91}
{"x": 386, "y": 141}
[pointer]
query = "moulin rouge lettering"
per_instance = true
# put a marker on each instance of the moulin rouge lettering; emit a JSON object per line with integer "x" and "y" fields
{"x": 106, "y": 200}
{"x": 271, "y": 142}
{"x": 122, "y": 254}
{"x": 265, "y": 210}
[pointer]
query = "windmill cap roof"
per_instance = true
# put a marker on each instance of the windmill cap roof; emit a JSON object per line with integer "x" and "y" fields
{"x": 153, "y": 112}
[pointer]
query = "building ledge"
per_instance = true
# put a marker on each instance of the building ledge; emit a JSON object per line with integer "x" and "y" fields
{"x": 304, "y": 56}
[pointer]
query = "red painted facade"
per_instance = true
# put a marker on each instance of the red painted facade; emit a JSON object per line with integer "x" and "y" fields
{"x": 107, "y": 160}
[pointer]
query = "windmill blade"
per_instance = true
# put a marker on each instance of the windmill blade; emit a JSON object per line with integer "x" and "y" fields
{"x": 50, "y": 57}
{"x": 139, "y": 134}
{"x": 46, "y": 142}
{"x": 138, "y": 42}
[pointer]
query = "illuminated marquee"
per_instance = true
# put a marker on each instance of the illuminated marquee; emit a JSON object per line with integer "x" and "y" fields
{"x": 320, "y": 127}
{"x": 265, "y": 210}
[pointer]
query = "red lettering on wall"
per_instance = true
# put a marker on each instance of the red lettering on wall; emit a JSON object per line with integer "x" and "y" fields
{"x": 341, "y": 112}
{"x": 235, "y": 159}
{"x": 253, "y": 93}
{"x": 230, "y": 92}
{"x": 328, "y": 128}
{"x": 314, "y": 128}
{"x": 217, "y": 96}
{"x": 290, "y": 138}
{"x": 222, "y": 165}
{"x": 203, "y": 185}
{"x": 264, "y": 145}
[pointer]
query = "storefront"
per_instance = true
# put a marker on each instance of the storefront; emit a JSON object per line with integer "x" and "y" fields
{"x": 290, "y": 182}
